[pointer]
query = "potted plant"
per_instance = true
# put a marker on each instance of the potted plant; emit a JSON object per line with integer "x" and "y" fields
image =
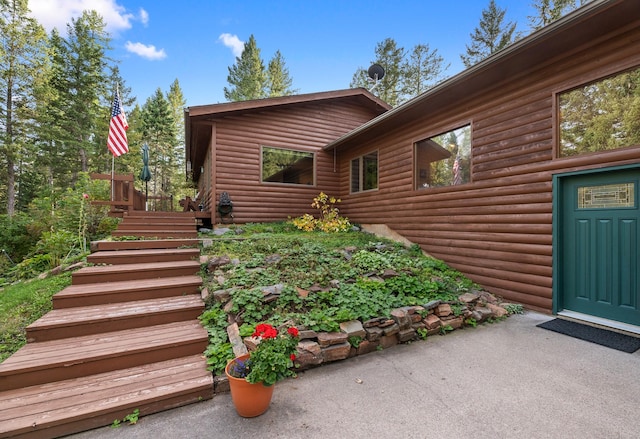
{"x": 252, "y": 376}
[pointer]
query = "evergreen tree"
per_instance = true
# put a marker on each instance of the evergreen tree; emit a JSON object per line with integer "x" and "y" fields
{"x": 279, "y": 81}
{"x": 22, "y": 58}
{"x": 177, "y": 103}
{"x": 390, "y": 87}
{"x": 159, "y": 132}
{"x": 491, "y": 36}
{"x": 248, "y": 77}
{"x": 549, "y": 11}
{"x": 424, "y": 69}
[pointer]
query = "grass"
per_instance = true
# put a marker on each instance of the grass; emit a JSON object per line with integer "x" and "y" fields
{"x": 23, "y": 303}
{"x": 323, "y": 278}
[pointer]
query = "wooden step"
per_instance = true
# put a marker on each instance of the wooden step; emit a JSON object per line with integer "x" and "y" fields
{"x": 139, "y": 213}
{"x": 144, "y": 233}
{"x": 113, "y": 273}
{"x": 158, "y": 220}
{"x": 58, "y": 360}
{"x": 157, "y": 226}
{"x": 143, "y": 256}
{"x": 87, "y": 320}
{"x": 126, "y": 291}
{"x": 65, "y": 407}
{"x": 144, "y": 244}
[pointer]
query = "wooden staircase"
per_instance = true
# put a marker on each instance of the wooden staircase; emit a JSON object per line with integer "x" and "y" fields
{"x": 123, "y": 336}
{"x": 158, "y": 225}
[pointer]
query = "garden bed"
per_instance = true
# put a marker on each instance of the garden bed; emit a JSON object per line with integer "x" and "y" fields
{"x": 349, "y": 293}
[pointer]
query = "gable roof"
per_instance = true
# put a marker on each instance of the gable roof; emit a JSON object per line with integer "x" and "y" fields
{"x": 587, "y": 23}
{"x": 196, "y": 141}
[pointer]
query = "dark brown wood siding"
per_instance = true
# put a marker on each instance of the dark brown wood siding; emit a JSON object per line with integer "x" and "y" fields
{"x": 498, "y": 228}
{"x": 304, "y": 127}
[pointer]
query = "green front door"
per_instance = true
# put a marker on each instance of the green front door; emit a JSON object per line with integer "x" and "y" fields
{"x": 599, "y": 237}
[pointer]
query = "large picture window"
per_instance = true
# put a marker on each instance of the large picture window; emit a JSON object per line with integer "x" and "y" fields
{"x": 443, "y": 160}
{"x": 364, "y": 172}
{"x": 600, "y": 116}
{"x": 287, "y": 166}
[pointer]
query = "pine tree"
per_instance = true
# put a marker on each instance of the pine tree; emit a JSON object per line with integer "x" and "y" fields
{"x": 424, "y": 69}
{"x": 279, "y": 81}
{"x": 390, "y": 87}
{"x": 248, "y": 77}
{"x": 21, "y": 59}
{"x": 549, "y": 11}
{"x": 159, "y": 132}
{"x": 491, "y": 36}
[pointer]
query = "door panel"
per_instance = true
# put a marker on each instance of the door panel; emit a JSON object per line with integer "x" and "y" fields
{"x": 600, "y": 241}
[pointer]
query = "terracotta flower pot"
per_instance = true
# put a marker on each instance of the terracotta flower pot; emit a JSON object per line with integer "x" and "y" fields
{"x": 250, "y": 400}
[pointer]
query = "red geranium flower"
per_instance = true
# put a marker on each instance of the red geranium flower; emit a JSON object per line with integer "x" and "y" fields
{"x": 293, "y": 331}
{"x": 293, "y": 357}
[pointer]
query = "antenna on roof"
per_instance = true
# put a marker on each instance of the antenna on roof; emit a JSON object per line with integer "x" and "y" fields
{"x": 376, "y": 72}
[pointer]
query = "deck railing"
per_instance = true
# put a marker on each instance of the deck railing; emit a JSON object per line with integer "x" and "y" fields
{"x": 124, "y": 196}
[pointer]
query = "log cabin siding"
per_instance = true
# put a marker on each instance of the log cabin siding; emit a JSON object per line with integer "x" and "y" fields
{"x": 497, "y": 229}
{"x": 303, "y": 127}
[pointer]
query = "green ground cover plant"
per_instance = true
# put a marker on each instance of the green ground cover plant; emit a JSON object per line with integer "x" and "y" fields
{"x": 323, "y": 279}
{"x": 23, "y": 303}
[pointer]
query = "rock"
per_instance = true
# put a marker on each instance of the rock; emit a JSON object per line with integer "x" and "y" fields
{"x": 75, "y": 266}
{"x": 220, "y": 280}
{"x": 302, "y": 293}
{"x": 237, "y": 344}
{"x": 497, "y": 310}
{"x": 220, "y": 384}
{"x": 204, "y": 293}
{"x": 221, "y": 230}
{"x": 468, "y": 298}
{"x": 391, "y": 330}
{"x": 374, "y": 333}
{"x": 432, "y": 305}
{"x": 336, "y": 352}
{"x": 484, "y": 312}
{"x": 334, "y": 284}
{"x": 373, "y": 322}
{"x": 406, "y": 334}
{"x": 309, "y": 346}
{"x": 251, "y": 343}
{"x": 206, "y": 243}
{"x": 401, "y": 317}
{"x": 432, "y": 321}
{"x": 273, "y": 259}
{"x": 443, "y": 310}
{"x": 487, "y": 297}
{"x": 455, "y": 323}
{"x": 353, "y": 328}
{"x": 389, "y": 273}
{"x": 388, "y": 341}
{"x": 386, "y": 322}
{"x": 366, "y": 347}
{"x": 217, "y": 261}
{"x": 222, "y": 296}
{"x": 228, "y": 307}
{"x": 306, "y": 334}
{"x": 272, "y": 290}
{"x": 331, "y": 338}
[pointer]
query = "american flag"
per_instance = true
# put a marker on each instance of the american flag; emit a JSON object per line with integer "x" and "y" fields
{"x": 117, "y": 140}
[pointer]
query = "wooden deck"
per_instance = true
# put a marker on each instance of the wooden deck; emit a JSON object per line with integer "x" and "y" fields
{"x": 123, "y": 336}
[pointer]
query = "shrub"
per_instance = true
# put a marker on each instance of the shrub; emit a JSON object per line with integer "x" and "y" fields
{"x": 330, "y": 219}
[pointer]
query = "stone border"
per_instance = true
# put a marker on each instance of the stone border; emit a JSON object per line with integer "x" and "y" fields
{"x": 355, "y": 338}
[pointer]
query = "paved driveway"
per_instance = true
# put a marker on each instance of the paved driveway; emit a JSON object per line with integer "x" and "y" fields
{"x": 504, "y": 380}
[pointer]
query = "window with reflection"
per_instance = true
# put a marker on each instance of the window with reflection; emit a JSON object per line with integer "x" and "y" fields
{"x": 287, "y": 166}
{"x": 364, "y": 172}
{"x": 600, "y": 116}
{"x": 443, "y": 160}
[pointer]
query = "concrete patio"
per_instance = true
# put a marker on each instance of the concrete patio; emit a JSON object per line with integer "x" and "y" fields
{"x": 504, "y": 380}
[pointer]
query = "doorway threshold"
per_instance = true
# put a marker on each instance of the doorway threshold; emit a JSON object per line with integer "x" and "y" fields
{"x": 599, "y": 321}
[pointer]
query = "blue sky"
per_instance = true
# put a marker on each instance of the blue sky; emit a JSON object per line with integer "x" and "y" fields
{"x": 323, "y": 42}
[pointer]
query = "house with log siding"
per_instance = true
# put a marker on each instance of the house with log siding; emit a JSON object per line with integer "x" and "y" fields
{"x": 522, "y": 171}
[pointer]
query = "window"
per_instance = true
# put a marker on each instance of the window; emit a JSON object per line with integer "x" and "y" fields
{"x": 443, "y": 160}
{"x": 287, "y": 166}
{"x": 364, "y": 172}
{"x": 600, "y": 116}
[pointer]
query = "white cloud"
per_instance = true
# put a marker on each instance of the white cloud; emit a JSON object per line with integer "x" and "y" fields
{"x": 144, "y": 16}
{"x": 58, "y": 13}
{"x": 233, "y": 42}
{"x": 149, "y": 52}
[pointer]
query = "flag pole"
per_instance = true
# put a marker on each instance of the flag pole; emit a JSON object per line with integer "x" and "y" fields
{"x": 113, "y": 164}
